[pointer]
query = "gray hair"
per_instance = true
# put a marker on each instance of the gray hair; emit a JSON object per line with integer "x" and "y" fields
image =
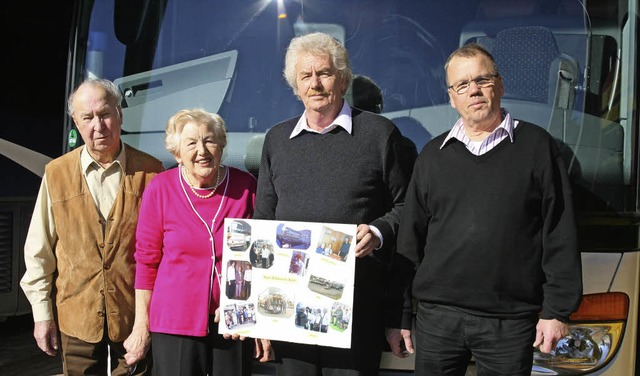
{"x": 199, "y": 116}
{"x": 471, "y": 50}
{"x": 317, "y": 44}
{"x": 108, "y": 86}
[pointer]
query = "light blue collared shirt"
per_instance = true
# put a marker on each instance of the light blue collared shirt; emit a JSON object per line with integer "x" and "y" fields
{"x": 504, "y": 130}
{"x": 343, "y": 120}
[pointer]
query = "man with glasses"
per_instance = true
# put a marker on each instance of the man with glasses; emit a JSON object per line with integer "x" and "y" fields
{"x": 487, "y": 243}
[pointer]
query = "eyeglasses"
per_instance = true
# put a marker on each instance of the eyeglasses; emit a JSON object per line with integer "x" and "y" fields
{"x": 461, "y": 87}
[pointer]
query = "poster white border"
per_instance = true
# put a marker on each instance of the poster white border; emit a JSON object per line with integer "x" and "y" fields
{"x": 299, "y": 284}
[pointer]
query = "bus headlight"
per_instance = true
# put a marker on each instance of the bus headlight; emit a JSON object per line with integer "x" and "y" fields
{"x": 580, "y": 344}
{"x": 596, "y": 331}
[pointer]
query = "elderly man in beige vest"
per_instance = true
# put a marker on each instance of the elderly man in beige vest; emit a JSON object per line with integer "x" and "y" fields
{"x": 81, "y": 240}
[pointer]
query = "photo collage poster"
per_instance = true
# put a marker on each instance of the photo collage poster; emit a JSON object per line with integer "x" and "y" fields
{"x": 288, "y": 281}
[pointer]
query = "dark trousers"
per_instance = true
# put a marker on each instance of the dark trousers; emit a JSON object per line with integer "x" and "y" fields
{"x": 84, "y": 358}
{"x": 446, "y": 338}
{"x": 299, "y": 359}
{"x": 179, "y": 355}
{"x": 363, "y": 358}
{"x": 231, "y": 289}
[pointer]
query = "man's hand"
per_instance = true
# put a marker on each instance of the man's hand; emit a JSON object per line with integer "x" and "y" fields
{"x": 137, "y": 345}
{"x": 263, "y": 350}
{"x": 367, "y": 241}
{"x": 548, "y": 333}
{"x": 46, "y": 335}
{"x": 400, "y": 342}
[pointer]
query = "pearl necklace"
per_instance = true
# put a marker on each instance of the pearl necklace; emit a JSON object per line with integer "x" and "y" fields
{"x": 211, "y": 229}
{"x": 213, "y": 189}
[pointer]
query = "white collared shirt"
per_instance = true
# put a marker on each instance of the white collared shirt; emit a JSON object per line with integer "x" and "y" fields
{"x": 343, "y": 120}
{"x": 504, "y": 130}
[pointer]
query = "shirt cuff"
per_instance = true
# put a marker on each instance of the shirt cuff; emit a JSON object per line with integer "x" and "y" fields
{"x": 42, "y": 311}
{"x": 375, "y": 230}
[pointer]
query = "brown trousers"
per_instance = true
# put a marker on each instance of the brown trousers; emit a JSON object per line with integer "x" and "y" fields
{"x": 84, "y": 358}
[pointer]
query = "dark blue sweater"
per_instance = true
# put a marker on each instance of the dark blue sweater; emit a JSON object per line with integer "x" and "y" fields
{"x": 493, "y": 235}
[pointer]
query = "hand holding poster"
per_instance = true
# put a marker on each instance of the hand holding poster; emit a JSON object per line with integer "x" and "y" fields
{"x": 288, "y": 281}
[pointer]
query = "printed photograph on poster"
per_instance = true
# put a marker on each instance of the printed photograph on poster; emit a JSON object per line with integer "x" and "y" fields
{"x": 288, "y": 281}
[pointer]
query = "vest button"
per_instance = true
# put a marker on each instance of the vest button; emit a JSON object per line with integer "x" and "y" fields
{"x": 101, "y": 245}
{"x": 107, "y": 266}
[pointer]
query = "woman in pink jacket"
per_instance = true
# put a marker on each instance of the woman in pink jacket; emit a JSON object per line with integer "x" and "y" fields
{"x": 179, "y": 241}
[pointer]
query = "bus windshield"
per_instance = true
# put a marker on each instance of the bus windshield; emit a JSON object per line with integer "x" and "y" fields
{"x": 568, "y": 66}
{"x": 561, "y": 62}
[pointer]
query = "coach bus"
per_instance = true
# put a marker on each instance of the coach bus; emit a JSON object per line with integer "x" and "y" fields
{"x": 569, "y": 66}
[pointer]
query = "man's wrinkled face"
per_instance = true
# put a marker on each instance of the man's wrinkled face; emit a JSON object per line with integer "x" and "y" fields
{"x": 98, "y": 120}
{"x": 318, "y": 85}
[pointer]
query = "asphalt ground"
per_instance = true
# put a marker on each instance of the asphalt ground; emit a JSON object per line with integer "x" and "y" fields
{"x": 20, "y": 356}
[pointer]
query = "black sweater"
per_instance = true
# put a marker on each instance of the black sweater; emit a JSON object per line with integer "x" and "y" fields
{"x": 493, "y": 235}
{"x": 335, "y": 177}
{"x": 338, "y": 177}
